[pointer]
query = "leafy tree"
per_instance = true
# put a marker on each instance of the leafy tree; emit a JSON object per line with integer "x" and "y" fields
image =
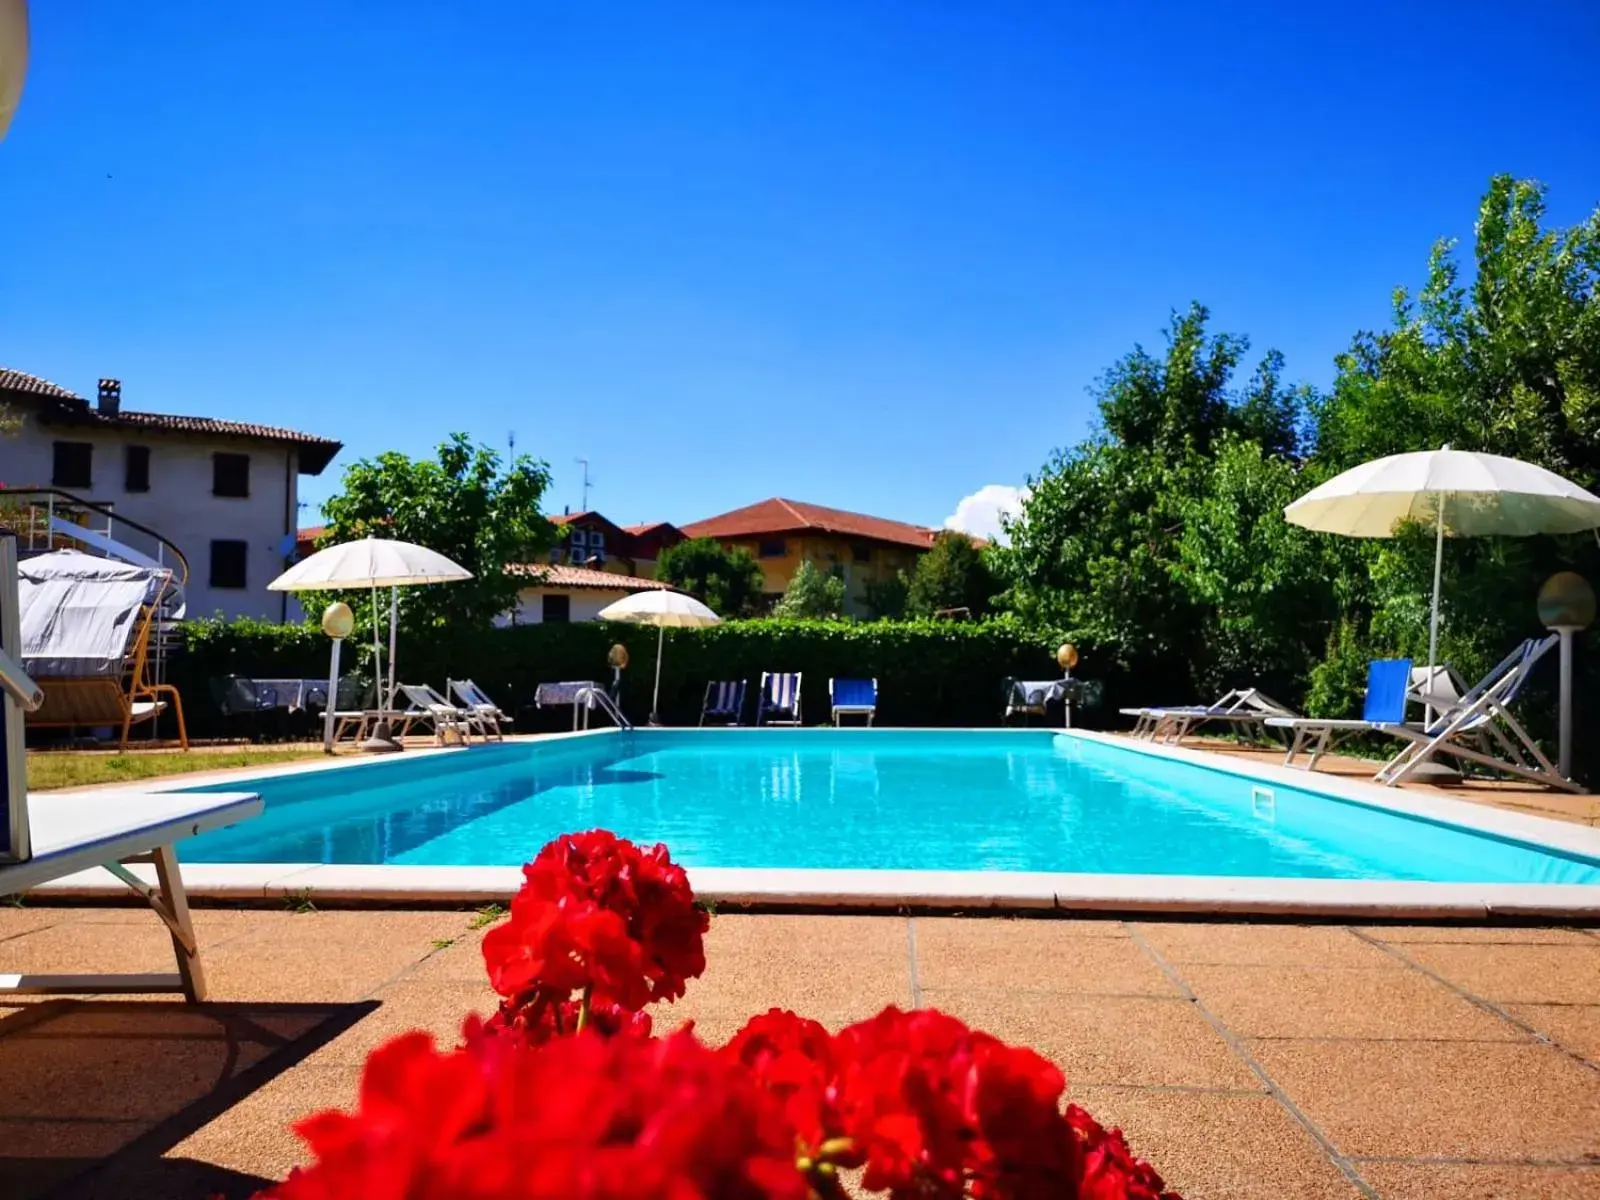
{"x": 811, "y": 595}
{"x": 1097, "y": 547}
{"x": 465, "y": 503}
{"x": 728, "y": 581}
{"x": 886, "y": 598}
{"x": 952, "y": 574}
{"x": 1508, "y": 363}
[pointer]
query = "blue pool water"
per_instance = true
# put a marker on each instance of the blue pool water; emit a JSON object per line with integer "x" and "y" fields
{"x": 943, "y": 800}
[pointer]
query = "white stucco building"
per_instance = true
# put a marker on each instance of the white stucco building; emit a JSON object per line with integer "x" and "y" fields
{"x": 564, "y": 593}
{"x": 226, "y": 493}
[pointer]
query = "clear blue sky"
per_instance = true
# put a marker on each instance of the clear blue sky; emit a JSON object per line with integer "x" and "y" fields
{"x": 867, "y": 254}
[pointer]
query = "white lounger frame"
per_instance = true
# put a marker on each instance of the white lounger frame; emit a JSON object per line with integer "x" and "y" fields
{"x": 1241, "y": 706}
{"x": 107, "y": 829}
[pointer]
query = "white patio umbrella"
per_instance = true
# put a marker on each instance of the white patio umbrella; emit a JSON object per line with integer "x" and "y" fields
{"x": 13, "y": 57}
{"x": 371, "y": 563}
{"x": 663, "y": 609}
{"x": 1459, "y": 493}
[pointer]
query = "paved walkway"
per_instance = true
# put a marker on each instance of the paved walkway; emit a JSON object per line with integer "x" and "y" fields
{"x": 1246, "y": 1060}
{"x": 1502, "y": 793}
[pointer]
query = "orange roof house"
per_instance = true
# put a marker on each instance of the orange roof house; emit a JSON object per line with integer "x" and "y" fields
{"x": 782, "y": 534}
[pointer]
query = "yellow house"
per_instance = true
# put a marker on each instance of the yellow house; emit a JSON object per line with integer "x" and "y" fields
{"x": 782, "y": 534}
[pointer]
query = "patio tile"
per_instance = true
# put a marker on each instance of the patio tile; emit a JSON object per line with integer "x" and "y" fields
{"x": 76, "y": 949}
{"x": 1219, "y": 1147}
{"x": 113, "y": 1078}
{"x": 459, "y": 962}
{"x": 1293, "y": 1002}
{"x": 37, "y": 1157}
{"x": 1105, "y": 1039}
{"x": 254, "y": 1136}
{"x": 1575, "y": 1027}
{"x": 1530, "y": 974}
{"x": 436, "y": 1008}
{"x": 1510, "y": 935}
{"x": 1441, "y": 1099}
{"x": 15, "y": 921}
{"x": 326, "y": 956}
{"x": 1430, "y": 1181}
{"x": 829, "y": 968}
{"x": 1264, "y": 945}
{"x": 1034, "y": 956}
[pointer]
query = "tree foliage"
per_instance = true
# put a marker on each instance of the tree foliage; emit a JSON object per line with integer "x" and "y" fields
{"x": 812, "y": 595}
{"x": 952, "y": 574}
{"x": 466, "y": 503}
{"x": 1098, "y": 547}
{"x": 728, "y": 581}
{"x": 1161, "y": 538}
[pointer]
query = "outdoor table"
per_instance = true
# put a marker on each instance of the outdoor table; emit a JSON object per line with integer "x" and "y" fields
{"x": 294, "y": 694}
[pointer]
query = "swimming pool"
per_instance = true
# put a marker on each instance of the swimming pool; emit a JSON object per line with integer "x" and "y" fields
{"x": 879, "y": 800}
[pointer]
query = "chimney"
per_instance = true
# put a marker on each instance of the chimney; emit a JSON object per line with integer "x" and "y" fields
{"x": 110, "y": 402}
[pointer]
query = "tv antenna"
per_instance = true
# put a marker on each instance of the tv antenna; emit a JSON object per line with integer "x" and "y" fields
{"x": 584, "y": 463}
{"x": 511, "y": 443}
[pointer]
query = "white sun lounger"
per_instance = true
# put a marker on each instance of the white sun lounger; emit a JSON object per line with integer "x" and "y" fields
{"x": 1242, "y": 707}
{"x": 429, "y": 708}
{"x": 112, "y": 830}
{"x": 491, "y": 718}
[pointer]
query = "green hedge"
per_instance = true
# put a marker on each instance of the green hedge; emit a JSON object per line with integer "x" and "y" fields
{"x": 928, "y": 672}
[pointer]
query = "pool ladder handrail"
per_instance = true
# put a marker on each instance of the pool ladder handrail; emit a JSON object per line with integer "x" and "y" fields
{"x": 596, "y": 697}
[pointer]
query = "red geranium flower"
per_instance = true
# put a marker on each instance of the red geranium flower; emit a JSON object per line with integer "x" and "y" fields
{"x": 540, "y": 1022}
{"x": 1107, "y": 1168}
{"x": 582, "y": 1118}
{"x": 935, "y": 1106}
{"x": 792, "y": 1057}
{"x": 598, "y": 914}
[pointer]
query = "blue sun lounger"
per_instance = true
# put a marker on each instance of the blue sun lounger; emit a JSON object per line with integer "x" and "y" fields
{"x": 853, "y": 697}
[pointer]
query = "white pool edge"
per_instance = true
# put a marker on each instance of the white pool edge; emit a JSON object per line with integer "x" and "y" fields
{"x": 814, "y": 889}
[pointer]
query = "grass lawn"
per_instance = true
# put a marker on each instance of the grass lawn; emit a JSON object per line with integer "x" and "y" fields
{"x": 68, "y": 768}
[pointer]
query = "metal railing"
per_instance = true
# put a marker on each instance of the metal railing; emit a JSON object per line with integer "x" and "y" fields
{"x": 595, "y": 697}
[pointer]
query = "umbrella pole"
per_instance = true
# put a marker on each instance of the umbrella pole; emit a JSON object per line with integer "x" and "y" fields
{"x": 377, "y": 652}
{"x": 1433, "y": 620}
{"x": 655, "y": 696}
{"x": 394, "y": 618}
{"x": 382, "y": 739}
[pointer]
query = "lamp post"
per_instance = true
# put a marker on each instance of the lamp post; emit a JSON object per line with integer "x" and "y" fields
{"x": 1566, "y": 606}
{"x": 617, "y": 659}
{"x": 1066, "y": 659}
{"x": 337, "y": 622}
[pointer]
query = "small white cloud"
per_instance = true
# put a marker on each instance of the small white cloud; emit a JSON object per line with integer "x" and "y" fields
{"x": 979, "y": 514}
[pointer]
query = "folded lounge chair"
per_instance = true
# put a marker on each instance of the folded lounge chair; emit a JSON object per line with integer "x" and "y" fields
{"x": 1243, "y": 708}
{"x": 491, "y": 718}
{"x": 853, "y": 697}
{"x": 779, "y": 702}
{"x": 1388, "y": 689}
{"x": 1480, "y": 728}
{"x": 723, "y": 702}
{"x": 426, "y": 707}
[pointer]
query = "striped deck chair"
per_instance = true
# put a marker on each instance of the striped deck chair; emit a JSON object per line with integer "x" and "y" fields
{"x": 1481, "y": 729}
{"x": 723, "y": 702}
{"x": 779, "y": 703}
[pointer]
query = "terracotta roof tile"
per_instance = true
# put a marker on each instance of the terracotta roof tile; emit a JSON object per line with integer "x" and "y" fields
{"x": 557, "y": 575}
{"x": 70, "y": 408}
{"x": 20, "y": 381}
{"x": 794, "y": 516}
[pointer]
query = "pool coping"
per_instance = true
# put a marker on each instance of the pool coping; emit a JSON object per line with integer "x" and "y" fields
{"x": 822, "y": 888}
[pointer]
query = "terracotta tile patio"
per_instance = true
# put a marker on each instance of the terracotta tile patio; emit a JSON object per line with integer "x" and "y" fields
{"x": 1247, "y": 1060}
